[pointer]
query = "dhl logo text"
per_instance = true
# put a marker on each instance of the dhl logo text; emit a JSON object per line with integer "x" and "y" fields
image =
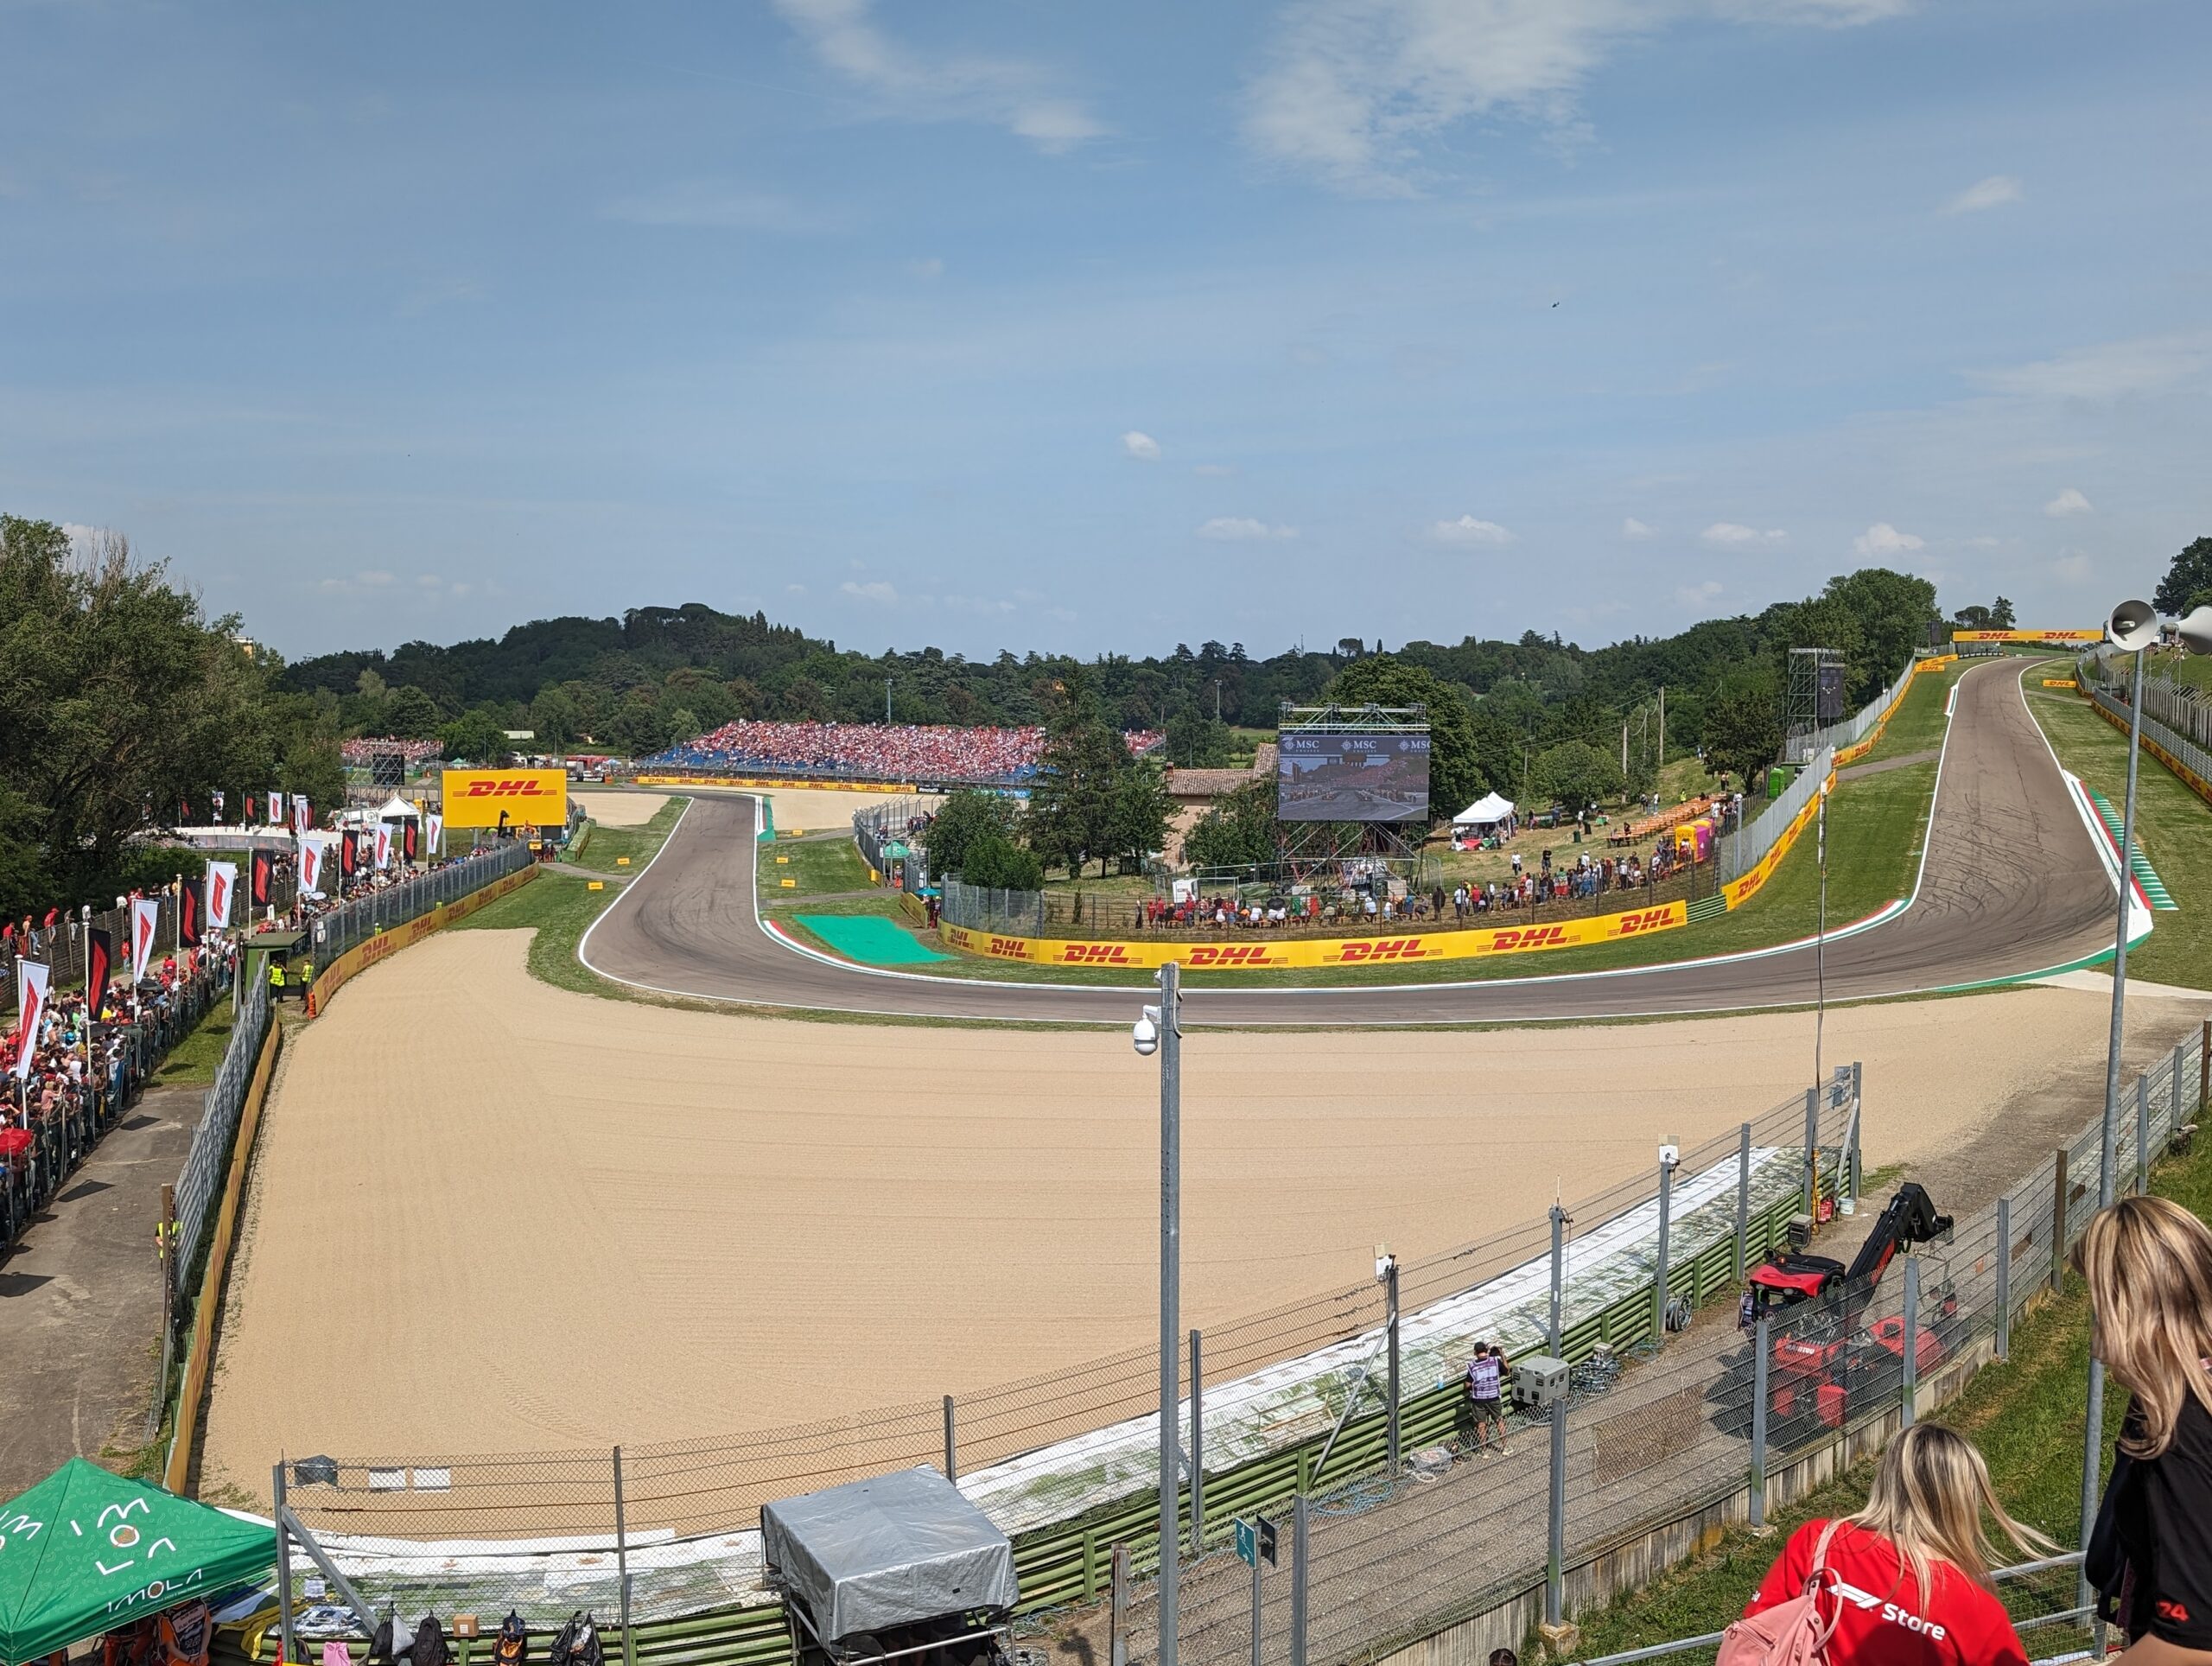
{"x": 1236, "y": 954}
{"x": 1386, "y": 949}
{"x": 1644, "y": 921}
{"x": 1094, "y": 954}
{"x": 1008, "y": 948}
{"x": 520, "y": 787}
{"x": 1534, "y": 937}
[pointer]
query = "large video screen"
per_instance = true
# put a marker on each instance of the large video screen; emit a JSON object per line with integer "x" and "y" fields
{"x": 1322, "y": 776}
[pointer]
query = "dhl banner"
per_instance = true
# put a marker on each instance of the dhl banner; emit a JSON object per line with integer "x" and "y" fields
{"x": 2189, "y": 777}
{"x": 1741, "y": 891}
{"x": 2061, "y": 682}
{"x": 2097, "y": 635}
{"x": 1321, "y": 951}
{"x": 532, "y": 798}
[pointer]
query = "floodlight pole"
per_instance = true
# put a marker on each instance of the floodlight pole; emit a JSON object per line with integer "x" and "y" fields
{"x": 1170, "y": 1187}
{"x": 2094, "y": 1429}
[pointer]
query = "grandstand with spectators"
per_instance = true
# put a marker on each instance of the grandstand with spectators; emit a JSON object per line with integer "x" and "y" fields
{"x": 926, "y": 755}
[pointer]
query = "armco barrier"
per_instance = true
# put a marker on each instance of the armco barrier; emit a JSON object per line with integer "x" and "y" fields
{"x": 366, "y": 954}
{"x": 2161, "y": 742}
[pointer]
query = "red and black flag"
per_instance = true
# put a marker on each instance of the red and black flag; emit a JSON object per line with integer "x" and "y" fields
{"x": 411, "y": 838}
{"x": 99, "y": 961}
{"x": 188, "y": 917}
{"x": 264, "y": 863}
{"x": 349, "y": 855}
{"x": 248, "y": 822}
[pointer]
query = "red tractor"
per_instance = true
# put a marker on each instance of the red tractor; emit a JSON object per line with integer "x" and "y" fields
{"x": 1820, "y": 1360}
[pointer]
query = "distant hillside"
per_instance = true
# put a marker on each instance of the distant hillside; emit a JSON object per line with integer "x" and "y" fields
{"x": 658, "y": 675}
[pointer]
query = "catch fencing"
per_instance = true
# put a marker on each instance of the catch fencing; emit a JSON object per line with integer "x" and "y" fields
{"x": 372, "y": 913}
{"x": 1750, "y": 847}
{"x": 894, "y": 823}
{"x": 1838, "y": 736}
{"x": 2176, "y": 717}
{"x": 65, "y": 945}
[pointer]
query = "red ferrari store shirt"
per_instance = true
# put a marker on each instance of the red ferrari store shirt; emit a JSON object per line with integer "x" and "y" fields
{"x": 1882, "y": 1617}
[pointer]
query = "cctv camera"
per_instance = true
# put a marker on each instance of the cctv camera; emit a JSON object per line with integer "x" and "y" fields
{"x": 1146, "y": 1037}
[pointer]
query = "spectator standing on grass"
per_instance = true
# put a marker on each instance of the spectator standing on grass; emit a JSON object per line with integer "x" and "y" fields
{"x": 1905, "y": 1581}
{"x": 2148, "y": 1263}
{"x": 1484, "y": 1391}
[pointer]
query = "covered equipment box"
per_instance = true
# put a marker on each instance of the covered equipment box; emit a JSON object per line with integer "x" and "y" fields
{"x": 879, "y": 1558}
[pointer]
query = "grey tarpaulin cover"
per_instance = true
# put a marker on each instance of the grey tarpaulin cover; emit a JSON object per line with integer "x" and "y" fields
{"x": 886, "y": 1551}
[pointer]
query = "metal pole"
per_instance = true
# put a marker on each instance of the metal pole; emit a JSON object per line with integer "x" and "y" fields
{"x": 1858, "y": 1113}
{"x": 1555, "y": 1517}
{"x": 1390, "y": 1331}
{"x": 283, "y": 1570}
{"x": 1659, "y": 1276}
{"x": 2058, "y": 1225}
{"x": 1743, "y": 1202}
{"x": 1170, "y": 1180}
{"x": 1813, "y": 1151}
{"x": 2004, "y": 1278}
{"x": 2173, "y": 1123}
{"x": 622, "y": 1565}
{"x": 165, "y": 1256}
{"x": 1552, "y": 1328}
{"x": 1762, "y": 1350}
{"x": 1256, "y": 1602}
{"x": 1198, "y": 1449}
{"x": 2142, "y": 1133}
{"x": 1117, "y": 1610}
{"x": 951, "y": 1444}
{"x": 1911, "y": 1339}
{"x": 1297, "y": 1548}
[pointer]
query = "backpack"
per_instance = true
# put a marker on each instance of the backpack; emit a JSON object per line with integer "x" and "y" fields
{"x": 429, "y": 1647}
{"x": 1790, "y": 1633}
{"x": 577, "y": 1643}
{"x": 513, "y": 1646}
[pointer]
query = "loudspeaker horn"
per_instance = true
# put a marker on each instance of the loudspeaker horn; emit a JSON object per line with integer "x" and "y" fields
{"x": 2195, "y": 630}
{"x": 2133, "y": 625}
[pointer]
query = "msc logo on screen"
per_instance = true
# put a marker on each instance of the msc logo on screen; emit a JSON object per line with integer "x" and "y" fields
{"x": 1534, "y": 937}
{"x": 1095, "y": 954}
{"x": 520, "y": 786}
{"x": 1385, "y": 949}
{"x": 1644, "y": 921}
{"x": 1232, "y": 955}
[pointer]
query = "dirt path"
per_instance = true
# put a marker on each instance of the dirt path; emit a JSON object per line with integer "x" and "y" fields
{"x": 752, "y": 1222}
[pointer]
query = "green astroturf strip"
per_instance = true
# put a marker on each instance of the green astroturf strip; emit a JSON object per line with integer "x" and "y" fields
{"x": 869, "y": 938}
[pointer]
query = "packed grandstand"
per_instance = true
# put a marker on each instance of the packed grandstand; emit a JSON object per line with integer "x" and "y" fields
{"x": 871, "y": 752}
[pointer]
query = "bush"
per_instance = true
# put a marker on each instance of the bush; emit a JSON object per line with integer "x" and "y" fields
{"x": 995, "y": 860}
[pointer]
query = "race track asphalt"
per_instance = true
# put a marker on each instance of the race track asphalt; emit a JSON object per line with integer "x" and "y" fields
{"x": 2010, "y": 886}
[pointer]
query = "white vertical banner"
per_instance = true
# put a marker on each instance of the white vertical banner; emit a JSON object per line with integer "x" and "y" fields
{"x": 276, "y": 810}
{"x": 434, "y": 835}
{"x": 303, "y": 816}
{"x": 311, "y": 855}
{"x": 30, "y": 1009}
{"x": 383, "y": 844}
{"x": 145, "y": 922}
{"x": 222, "y": 880}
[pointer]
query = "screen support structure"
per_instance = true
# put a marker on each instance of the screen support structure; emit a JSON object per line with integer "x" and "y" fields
{"x": 1310, "y": 847}
{"x": 1814, "y": 700}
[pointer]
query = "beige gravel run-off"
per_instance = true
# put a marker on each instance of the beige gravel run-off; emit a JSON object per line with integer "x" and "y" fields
{"x": 654, "y": 1224}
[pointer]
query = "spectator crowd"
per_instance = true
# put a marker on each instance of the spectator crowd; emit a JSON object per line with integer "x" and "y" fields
{"x": 922, "y": 754}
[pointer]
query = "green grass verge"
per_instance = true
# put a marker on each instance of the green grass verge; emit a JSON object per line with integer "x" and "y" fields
{"x": 2025, "y": 1414}
{"x": 193, "y": 1062}
{"x": 818, "y": 866}
{"x": 2173, "y": 827}
{"x": 1876, "y": 827}
{"x": 1918, "y": 725}
{"x": 601, "y": 848}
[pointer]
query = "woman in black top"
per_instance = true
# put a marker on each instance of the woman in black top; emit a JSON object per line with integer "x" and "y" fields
{"x": 2149, "y": 1265}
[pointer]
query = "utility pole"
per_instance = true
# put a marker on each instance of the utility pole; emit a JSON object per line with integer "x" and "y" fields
{"x": 1662, "y": 724}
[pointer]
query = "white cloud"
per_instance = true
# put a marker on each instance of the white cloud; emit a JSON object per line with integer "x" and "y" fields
{"x": 1142, "y": 446}
{"x": 1352, "y": 88}
{"x": 874, "y": 590}
{"x": 920, "y": 87}
{"x": 1468, "y": 531}
{"x": 714, "y": 204}
{"x": 2110, "y": 371}
{"x": 1732, "y": 535}
{"x": 1633, "y": 528}
{"x": 1237, "y": 529}
{"x": 2069, "y": 502}
{"x": 1884, "y": 540}
{"x": 1992, "y": 192}
{"x": 1696, "y": 595}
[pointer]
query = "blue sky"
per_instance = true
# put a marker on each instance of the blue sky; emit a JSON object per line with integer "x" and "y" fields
{"x": 1094, "y": 328}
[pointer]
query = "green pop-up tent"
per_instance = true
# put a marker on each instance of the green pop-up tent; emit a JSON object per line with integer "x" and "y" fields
{"x": 84, "y": 1551}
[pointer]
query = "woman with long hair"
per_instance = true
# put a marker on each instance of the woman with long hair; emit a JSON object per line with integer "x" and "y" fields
{"x": 1908, "y": 1578}
{"x": 2148, "y": 1263}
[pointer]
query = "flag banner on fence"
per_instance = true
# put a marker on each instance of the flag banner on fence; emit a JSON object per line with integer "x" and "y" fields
{"x": 99, "y": 960}
{"x": 276, "y": 810}
{"x": 30, "y": 1009}
{"x": 248, "y": 820}
{"x": 311, "y": 859}
{"x": 188, "y": 917}
{"x": 303, "y": 815}
{"x": 383, "y": 844}
{"x": 265, "y": 874}
{"x": 434, "y": 836}
{"x": 145, "y": 925}
{"x": 349, "y": 853}
{"x": 222, "y": 880}
{"x": 410, "y": 840}
{"x": 216, "y": 797}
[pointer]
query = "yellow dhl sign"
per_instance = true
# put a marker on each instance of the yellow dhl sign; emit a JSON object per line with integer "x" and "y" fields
{"x": 2060, "y": 683}
{"x": 1329, "y": 952}
{"x": 2028, "y": 636}
{"x": 510, "y": 798}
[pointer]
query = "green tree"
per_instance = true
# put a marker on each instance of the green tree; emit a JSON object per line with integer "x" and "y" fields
{"x": 1578, "y": 775}
{"x": 1455, "y": 771}
{"x": 475, "y": 735}
{"x": 995, "y": 859}
{"x": 1742, "y": 732}
{"x": 1142, "y": 810}
{"x": 412, "y": 714}
{"x": 2188, "y": 583}
{"x": 1074, "y": 805}
{"x": 963, "y": 819}
{"x": 1195, "y": 740}
{"x": 555, "y": 716}
{"x": 1237, "y": 830}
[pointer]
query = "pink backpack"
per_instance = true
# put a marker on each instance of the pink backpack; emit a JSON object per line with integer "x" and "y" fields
{"x": 1790, "y": 1633}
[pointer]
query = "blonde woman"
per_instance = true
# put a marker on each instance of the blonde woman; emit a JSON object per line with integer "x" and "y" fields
{"x": 2148, "y": 1263}
{"x": 1909, "y": 1575}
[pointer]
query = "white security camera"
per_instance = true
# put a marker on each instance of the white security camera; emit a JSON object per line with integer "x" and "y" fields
{"x": 1145, "y": 1036}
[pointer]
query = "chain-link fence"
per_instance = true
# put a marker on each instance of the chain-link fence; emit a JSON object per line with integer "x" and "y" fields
{"x": 1740, "y": 856}
{"x": 2176, "y": 719}
{"x": 375, "y": 912}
